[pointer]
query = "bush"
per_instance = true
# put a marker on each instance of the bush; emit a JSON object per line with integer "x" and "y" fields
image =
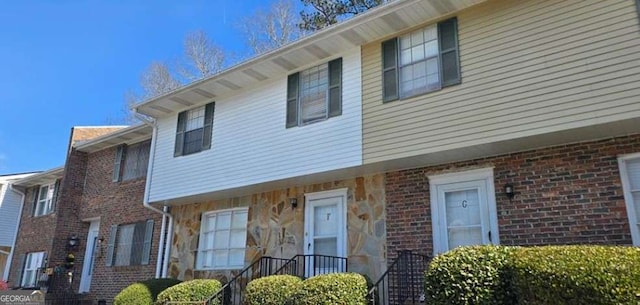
{"x": 190, "y": 291}
{"x": 3, "y": 286}
{"x": 538, "y": 275}
{"x": 577, "y": 275}
{"x": 471, "y": 275}
{"x": 334, "y": 288}
{"x": 272, "y": 290}
{"x": 143, "y": 293}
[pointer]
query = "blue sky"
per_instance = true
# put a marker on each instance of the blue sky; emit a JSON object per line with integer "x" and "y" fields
{"x": 69, "y": 63}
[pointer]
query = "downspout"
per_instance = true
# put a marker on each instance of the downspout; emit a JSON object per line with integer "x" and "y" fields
{"x": 5, "y": 276}
{"x": 166, "y": 216}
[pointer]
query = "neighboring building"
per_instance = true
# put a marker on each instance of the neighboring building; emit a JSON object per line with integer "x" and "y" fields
{"x": 95, "y": 201}
{"x": 10, "y": 207}
{"x": 402, "y": 128}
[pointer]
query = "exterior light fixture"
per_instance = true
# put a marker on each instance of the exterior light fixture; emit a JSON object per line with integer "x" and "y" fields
{"x": 74, "y": 242}
{"x": 294, "y": 202}
{"x": 508, "y": 190}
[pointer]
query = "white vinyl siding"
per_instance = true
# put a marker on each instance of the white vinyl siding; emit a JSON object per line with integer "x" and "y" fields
{"x": 630, "y": 175}
{"x": 9, "y": 210}
{"x": 223, "y": 238}
{"x": 528, "y": 68}
{"x": 251, "y": 144}
{"x": 33, "y": 262}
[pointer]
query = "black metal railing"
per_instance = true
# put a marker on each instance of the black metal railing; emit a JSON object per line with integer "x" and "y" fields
{"x": 233, "y": 291}
{"x": 403, "y": 282}
{"x": 306, "y": 266}
{"x": 56, "y": 283}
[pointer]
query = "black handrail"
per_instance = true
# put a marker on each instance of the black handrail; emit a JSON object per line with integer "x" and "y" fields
{"x": 308, "y": 265}
{"x": 402, "y": 281}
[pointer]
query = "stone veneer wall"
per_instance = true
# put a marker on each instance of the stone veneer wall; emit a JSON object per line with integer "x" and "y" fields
{"x": 275, "y": 229}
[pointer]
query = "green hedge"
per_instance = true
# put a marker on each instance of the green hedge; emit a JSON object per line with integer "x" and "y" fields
{"x": 334, "y": 288}
{"x": 538, "y": 275}
{"x": 272, "y": 290}
{"x": 143, "y": 293}
{"x": 190, "y": 291}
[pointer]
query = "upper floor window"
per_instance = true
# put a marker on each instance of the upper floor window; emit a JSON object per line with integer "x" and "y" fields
{"x": 45, "y": 199}
{"x": 193, "y": 133}
{"x": 223, "y": 237}
{"x": 630, "y": 174}
{"x": 130, "y": 244}
{"x": 422, "y": 61}
{"x": 314, "y": 94}
{"x": 32, "y": 264}
{"x": 131, "y": 161}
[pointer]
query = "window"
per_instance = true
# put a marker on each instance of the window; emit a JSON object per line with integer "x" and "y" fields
{"x": 630, "y": 175}
{"x": 33, "y": 262}
{"x": 422, "y": 61}
{"x": 194, "y": 130}
{"x": 131, "y": 161}
{"x": 45, "y": 199}
{"x": 130, "y": 244}
{"x": 223, "y": 237}
{"x": 314, "y": 94}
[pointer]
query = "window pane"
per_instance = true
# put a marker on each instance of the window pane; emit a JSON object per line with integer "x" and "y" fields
{"x": 224, "y": 221}
{"x": 211, "y": 223}
{"x": 419, "y": 62}
{"x": 43, "y": 193}
{"x": 238, "y": 239}
{"x": 221, "y": 240}
{"x": 195, "y": 118}
{"x": 430, "y": 33}
{"x": 220, "y": 258}
{"x": 313, "y": 94}
{"x": 239, "y": 220}
{"x": 236, "y": 257}
{"x": 431, "y": 48}
{"x": 464, "y": 236}
{"x": 123, "y": 247}
{"x": 462, "y": 208}
{"x": 193, "y": 141}
{"x": 636, "y": 202}
{"x": 633, "y": 171}
{"x": 326, "y": 246}
{"x": 417, "y": 38}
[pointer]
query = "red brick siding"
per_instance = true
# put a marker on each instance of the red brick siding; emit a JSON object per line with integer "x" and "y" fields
{"x": 569, "y": 194}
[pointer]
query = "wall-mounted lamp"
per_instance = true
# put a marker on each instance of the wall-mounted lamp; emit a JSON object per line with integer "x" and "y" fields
{"x": 73, "y": 242}
{"x": 508, "y": 190}
{"x": 294, "y": 202}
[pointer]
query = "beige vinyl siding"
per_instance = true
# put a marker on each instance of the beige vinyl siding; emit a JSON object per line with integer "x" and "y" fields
{"x": 528, "y": 68}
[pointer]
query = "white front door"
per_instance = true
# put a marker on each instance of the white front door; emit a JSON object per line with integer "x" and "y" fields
{"x": 463, "y": 210}
{"x": 325, "y": 232}
{"x": 89, "y": 256}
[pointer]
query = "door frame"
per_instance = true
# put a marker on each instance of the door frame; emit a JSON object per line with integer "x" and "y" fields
{"x": 342, "y": 250}
{"x": 484, "y": 174}
{"x": 90, "y": 248}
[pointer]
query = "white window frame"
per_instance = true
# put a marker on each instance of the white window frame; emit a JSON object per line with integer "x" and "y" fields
{"x": 206, "y": 217}
{"x": 422, "y": 90}
{"x": 33, "y": 262}
{"x": 306, "y": 88}
{"x": 485, "y": 174}
{"x": 47, "y": 202}
{"x": 634, "y": 219}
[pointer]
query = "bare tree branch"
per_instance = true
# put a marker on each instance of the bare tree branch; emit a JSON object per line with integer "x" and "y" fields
{"x": 268, "y": 30}
{"x": 202, "y": 57}
{"x": 322, "y": 13}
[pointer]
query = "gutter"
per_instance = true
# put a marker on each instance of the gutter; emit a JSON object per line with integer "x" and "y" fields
{"x": 163, "y": 257}
{"x": 5, "y": 276}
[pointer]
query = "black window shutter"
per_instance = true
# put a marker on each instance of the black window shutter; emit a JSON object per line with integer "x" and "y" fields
{"x": 113, "y": 232}
{"x": 56, "y": 191}
{"x": 449, "y": 53}
{"x": 17, "y": 274}
{"x": 117, "y": 164}
{"x": 208, "y": 125}
{"x": 36, "y": 195}
{"x": 292, "y": 100}
{"x": 390, "y": 70}
{"x": 182, "y": 125}
{"x": 146, "y": 248}
{"x": 335, "y": 87}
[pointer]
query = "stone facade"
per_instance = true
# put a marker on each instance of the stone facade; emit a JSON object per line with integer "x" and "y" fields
{"x": 276, "y": 229}
{"x": 568, "y": 194}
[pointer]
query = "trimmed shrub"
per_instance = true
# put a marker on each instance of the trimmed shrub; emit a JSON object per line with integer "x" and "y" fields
{"x": 272, "y": 290}
{"x": 143, "y": 293}
{"x": 334, "y": 288}
{"x": 190, "y": 291}
{"x": 578, "y": 275}
{"x": 470, "y": 275}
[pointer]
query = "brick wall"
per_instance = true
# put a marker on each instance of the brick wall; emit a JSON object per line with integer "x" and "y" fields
{"x": 570, "y": 194}
{"x": 115, "y": 203}
{"x": 35, "y": 234}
